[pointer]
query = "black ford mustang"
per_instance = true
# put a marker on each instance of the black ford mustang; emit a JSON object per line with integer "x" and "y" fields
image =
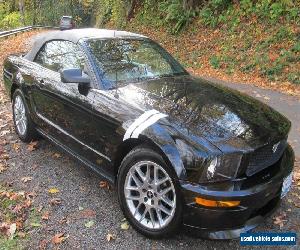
{"x": 180, "y": 149}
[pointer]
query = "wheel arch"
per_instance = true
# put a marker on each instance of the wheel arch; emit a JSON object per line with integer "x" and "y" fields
{"x": 169, "y": 153}
{"x": 17, "y": 82}
{"x": 13, "y": 88}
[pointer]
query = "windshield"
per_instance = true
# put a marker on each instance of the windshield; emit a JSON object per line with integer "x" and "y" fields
{"x": 121, "y": 61}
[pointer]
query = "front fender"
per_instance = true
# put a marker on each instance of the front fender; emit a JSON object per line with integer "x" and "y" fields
{"x": 162, "y": 139}
{"x": 187, "y": 154}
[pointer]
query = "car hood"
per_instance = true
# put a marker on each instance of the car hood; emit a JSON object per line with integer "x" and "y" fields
{"x": 230, "y": 120}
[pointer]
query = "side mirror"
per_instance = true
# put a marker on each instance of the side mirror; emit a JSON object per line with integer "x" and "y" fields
{"x": 74, "y": 76}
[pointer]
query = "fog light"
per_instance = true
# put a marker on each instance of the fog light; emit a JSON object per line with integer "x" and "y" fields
{"x": 212, "y": 203}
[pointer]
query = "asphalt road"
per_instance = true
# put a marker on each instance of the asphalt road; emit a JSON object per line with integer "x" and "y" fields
{"x": 83, "y": 200}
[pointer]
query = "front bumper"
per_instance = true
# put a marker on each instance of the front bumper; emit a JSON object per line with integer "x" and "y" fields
{"x": 258, "y": 200}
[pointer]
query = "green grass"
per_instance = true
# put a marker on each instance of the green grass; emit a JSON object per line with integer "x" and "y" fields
{"x": 10, "y": 244}
{"x": 30, "y": 215}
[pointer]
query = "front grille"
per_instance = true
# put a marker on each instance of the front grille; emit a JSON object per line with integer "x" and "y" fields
{"x": 264, "y": 157}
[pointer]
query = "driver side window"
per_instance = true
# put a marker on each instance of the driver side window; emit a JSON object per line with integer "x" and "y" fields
{"x": 60, "y": 55}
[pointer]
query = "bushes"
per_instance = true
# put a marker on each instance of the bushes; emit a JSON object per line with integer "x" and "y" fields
{"x": 260, "y": 36}
{"x": 177, "y": 14}
{"x": 216, "y": 12}
{"x": 12, "y": 20}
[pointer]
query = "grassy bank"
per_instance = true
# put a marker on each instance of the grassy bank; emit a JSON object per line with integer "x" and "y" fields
{"x": 238, "y": 43}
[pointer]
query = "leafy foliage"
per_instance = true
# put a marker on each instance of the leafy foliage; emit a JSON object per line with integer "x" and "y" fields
{"x": 175, "y": 13}
{"x": 245, "y": 45}
{"x": 12, "y": 20}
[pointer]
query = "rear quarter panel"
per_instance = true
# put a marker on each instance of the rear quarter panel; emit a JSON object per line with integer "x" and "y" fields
{"x": 9, "y": 71}
{"x": 11, "y": 68}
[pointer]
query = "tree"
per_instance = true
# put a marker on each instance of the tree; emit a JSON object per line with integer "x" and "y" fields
{"x": 22, "y": 11}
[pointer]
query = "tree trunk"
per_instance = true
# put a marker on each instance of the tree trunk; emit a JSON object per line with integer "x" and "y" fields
{"x": 22, "y": 11}
{"x": 130, "y": 13}
{"x": 34, "y": 5}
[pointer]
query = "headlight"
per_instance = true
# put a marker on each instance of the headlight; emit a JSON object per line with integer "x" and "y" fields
{"x": 220, "y": 168}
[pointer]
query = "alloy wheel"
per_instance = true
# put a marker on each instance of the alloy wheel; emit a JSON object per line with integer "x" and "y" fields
{"x": 150, "y": 194}
{"x": 20, "y": 115}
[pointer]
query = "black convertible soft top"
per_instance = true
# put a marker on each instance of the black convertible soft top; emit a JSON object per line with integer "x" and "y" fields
{"x": 75, "y": 35}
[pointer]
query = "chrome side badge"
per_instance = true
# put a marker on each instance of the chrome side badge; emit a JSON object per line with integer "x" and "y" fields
{"x": 275, "y": 147}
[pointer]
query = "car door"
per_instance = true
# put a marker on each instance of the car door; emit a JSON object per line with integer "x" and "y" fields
{"x": 66, "y": 111}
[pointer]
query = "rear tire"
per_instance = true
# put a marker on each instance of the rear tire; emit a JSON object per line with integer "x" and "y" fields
{"x": 24, "y": 126}
{"x": 149, "y": 193}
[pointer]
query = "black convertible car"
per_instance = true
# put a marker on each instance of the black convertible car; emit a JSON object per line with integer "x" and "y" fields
{"x": 180, "y": 149}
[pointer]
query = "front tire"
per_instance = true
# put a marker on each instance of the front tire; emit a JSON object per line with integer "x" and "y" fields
{"x": 23, "y": 124}
{"x": 149, "y": 193}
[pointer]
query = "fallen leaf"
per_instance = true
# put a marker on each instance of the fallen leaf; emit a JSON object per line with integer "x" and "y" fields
{"x": 4, "y": 132}
{"x": 2, "y": 168}
{"x": 32, "y": 146}
{"x": 35, "y": 224}
{"x": 63, "y": 221}
{"x": 35, "y": 166}
{"x": 53, "y": 191}
{"x": 4, "y": 125}
{"x": 15, "y": 196}
{"x": 59, "y": 238}
{"x": 43, "y": 244}
{"x": 280, "y": 219}
{"x": 89, "y": 224}
{"x": 27, "y": 203}
{"x": 4, "y": 227}
{"x": 22, "y": 234}
{"x": 12, "y": 230}
{"x": 86, "y": 213}
{"x": 125, "y": 225}
{"x": 45, "y": 215}
{"x": 56, "y": 155}
{"x": 19, "y": 223}
{"x": 26, "y": 179}
{"x": 30, "y": 195}
{"x": 55, "y": 201}
{"x": 110, "y": 237}
{"x": 296, "y": 175}
{"x": 16, "y": 147}
{"x": 103, "y": 184}
{"x": 40, "y": 208}
{"x": 5, "y": 157}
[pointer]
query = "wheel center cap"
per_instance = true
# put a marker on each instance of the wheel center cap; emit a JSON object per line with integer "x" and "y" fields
{"x": 150, "y": 194}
